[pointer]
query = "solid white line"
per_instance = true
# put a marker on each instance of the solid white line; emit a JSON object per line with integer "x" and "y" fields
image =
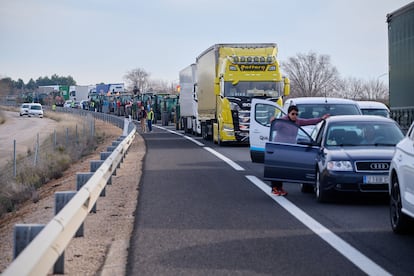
{"x": 219, "y": 155}
{"x": 185, "y": 136}
{"x": 225, "y": 159}
{"x": 351, "y": 253}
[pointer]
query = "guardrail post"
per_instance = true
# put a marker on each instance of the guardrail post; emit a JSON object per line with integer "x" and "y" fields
{"x": 23, "y": 234}
{"x": 95, "y": 164}
{"x": 61, "y": 199}
{"x": 110, "y": 148}
{"x": 81, "y": 179}
{"x": 104, "y": 155}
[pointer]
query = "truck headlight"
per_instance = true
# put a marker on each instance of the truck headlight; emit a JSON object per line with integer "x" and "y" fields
{"x": 339, "y": 166}
{"x": 229, "y": 129}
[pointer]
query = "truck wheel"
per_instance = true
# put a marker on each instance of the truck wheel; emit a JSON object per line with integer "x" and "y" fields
{"x": 204, "y": 131}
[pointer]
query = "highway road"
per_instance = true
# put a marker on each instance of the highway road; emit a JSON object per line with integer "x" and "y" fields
{"x": 204, "y": 210}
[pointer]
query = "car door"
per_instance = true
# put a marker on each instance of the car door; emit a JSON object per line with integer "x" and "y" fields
{"x": 407, "y": 170}
{"x": 290, "y": 160}
{"x": 260, "y": 114}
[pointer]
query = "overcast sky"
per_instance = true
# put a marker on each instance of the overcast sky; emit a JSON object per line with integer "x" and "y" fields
{"x": 100, "y": 40}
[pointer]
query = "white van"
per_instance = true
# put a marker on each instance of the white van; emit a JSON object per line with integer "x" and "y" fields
{"x": 309, "y": 107}
{"x": 374, "y": 108}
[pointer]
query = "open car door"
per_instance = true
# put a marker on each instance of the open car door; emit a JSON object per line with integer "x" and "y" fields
{"x": 261, "y": 113}
{"x": 287, "y": 158}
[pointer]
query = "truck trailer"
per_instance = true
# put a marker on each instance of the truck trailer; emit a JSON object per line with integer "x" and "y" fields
{"x": 401, "y": 64}
{"x": 188, "y": 120}
{"x": 228, "y": 77}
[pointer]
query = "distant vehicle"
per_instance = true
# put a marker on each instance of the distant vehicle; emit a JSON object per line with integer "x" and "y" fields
{"x": 309, "y": 107}
{"x": 72, "y": 103}
{"x": 24, "y": 109}
{"x": 349, "y": 153}
{"x": 374, "y": 108}
{"x": 36, "y": 109}
{"x": 68, "y": 103}
{"x": 401, "y": 185}
{"x": 84, "y": 104}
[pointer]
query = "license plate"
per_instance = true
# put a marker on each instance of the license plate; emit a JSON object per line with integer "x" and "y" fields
{"x": 375, "y": 179}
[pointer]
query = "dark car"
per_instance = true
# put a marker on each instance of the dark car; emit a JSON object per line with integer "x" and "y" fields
{"x": 349, "y": 153}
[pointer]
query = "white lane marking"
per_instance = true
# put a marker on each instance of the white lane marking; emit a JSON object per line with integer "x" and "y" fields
{"x": 183, "y": 135}
{"x": 233, "y": 164}
{"x": 351, "y": 253}
{"x": 225, "y": 159}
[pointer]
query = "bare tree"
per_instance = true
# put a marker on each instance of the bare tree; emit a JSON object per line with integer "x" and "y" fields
{"x": 138, "y": 78}
{"x": 351, "y": 88}
{"x": 160, "y": 86}
{"x": 375, "y": 90}
{"x": 311, "y": 75}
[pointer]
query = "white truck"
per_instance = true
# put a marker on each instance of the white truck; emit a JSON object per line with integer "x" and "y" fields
{"x": 79, "y": 92}
{"x": 188, "y": 100}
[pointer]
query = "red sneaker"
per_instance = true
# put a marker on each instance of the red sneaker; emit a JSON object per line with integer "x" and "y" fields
{"x": 279, "y": 191}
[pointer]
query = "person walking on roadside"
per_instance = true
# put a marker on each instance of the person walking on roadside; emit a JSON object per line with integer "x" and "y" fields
{"x": 287, "y": 133}
{"x": 143, "y": 118}
{"x": 150, "y": 118}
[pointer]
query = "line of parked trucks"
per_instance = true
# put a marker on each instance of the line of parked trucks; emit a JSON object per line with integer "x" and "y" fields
{"x": 217, "y": 90}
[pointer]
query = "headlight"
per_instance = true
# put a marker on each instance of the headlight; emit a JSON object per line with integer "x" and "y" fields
{"x": 339, "y": 166}
{"x": 229, "y": 129}
{"x": 234, "y": 106}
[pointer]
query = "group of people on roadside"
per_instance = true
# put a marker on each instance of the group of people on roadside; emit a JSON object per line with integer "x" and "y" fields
{"x": 146, "y": 119}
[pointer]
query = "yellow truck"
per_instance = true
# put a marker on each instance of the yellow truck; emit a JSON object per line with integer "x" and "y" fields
{"x": 228, "y": 77}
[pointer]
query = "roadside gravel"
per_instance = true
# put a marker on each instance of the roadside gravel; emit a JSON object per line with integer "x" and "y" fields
{"x": 104, "y": 248}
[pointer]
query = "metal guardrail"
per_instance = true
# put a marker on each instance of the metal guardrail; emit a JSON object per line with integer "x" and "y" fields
{"x": 45, "y": 249}
{"x": 404, "y": 116}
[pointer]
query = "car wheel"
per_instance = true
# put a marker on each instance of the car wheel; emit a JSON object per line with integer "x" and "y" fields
{"x": 306, "y": 188}
{"x": 399, "y": 221}
{"x": 321, "y": 194}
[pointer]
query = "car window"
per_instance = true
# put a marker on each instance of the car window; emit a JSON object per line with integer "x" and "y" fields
{"x": 265, "y": 113}
{"x": 307, "y": 111}
{"x": 377, "y": 112}
{"x": 317, "y": 132}
{"x": 363, "y": 134}
{"x": 284, "y": 131}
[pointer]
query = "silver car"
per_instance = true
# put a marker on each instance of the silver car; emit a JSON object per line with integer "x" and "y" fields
{"x": 401, "y": 185}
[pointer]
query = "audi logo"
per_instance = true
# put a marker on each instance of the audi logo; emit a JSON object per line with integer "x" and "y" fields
{"x": 379, "y": 166}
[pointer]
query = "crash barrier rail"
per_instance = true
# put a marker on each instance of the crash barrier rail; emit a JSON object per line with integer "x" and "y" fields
{"x": 404, "y": 116}
{"x": 39, "y": 248}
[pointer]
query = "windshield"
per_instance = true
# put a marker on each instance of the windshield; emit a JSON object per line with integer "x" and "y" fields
{"x": 253, "y": 89}
{"x": 379, "y": 112}
{"x": 307, "y": 111}
{"x": 363, "y": 134}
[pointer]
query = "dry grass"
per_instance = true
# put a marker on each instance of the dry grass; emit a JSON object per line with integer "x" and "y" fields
{"x": 71, "y": 142}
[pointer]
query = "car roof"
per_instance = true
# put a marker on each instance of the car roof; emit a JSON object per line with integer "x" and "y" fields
{"x": 317, "y": 100}
{"x": 371, "y": 104}
{"x": 358, "y": 118}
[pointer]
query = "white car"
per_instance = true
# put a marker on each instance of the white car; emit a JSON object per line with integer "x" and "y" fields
{"x": 374, "y": 108}
{"x": 35, "y": 109}
{"x": 309, "y": 107}
{"x": 24, "y": 109}
{"x": 68, "y": 103}
{"x": 401, "y": 185}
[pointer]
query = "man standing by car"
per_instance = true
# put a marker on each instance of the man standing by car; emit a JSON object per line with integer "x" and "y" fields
{"x": 287, "y": 133}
